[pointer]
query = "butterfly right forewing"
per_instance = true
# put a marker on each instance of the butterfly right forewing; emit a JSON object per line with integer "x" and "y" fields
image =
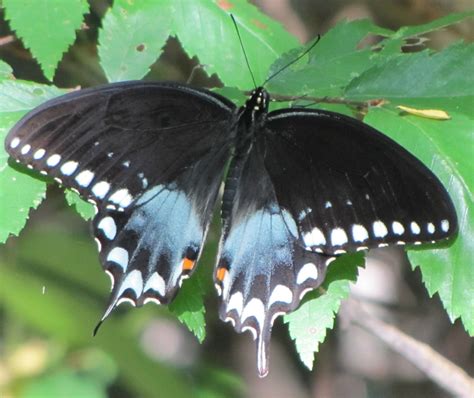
{"x": 349, "y": 187}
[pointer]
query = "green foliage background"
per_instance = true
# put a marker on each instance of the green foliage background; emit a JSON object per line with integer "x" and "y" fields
{"x": 130, "y": 41}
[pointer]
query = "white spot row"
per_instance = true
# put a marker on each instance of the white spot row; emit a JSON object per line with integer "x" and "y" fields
{"x": 156, "y": 283}
{"x": 100, "y": 189}
{"x": 39, "y": 154}
{"x": 134, "y": 281}
{"x": 119, "y": 256}
{"x": 108, "y": 227}
{"x": 122, "y": 197}
{"x": 445, "y": 225}
{"x": 26, "y": 148}
{"x": 280, "y": 294}
{"x": 338, "y": 236}
{"x": 69, "y": 168}
{"x": 15, "y": 142}
{"x": 84, "y": 178}
{"x": 307, "y": 271}
{"x": 254, "y": 308}
{"x": 53, "y": 160}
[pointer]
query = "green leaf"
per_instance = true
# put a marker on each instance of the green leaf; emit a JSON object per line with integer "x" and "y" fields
{"x": 46, "y": 27}
{"x": 446, "y": 147}
{"x": 332, "y": 64}
{"x": 132, "y": 37}
{"x": 22, "y": 96}
{"x": 442, "y": 80}
{"x": 406, "y": 32}
{"x": 85, "y": 209}
{"x": 65, "y": 383}
{"x": 188, "y": 305}
{"x": 205, "y": 29}
{"x": 309, "y": 323}
{"x": 134, "y": 33}
{"x": 18, "y": 191}
{"x": 6, "y": 72}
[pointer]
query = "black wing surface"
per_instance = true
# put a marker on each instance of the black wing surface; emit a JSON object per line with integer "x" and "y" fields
{"x": 315, "y": 185}
{"x": 349, "y": 187}
{"x": 262, "y": 271}
{"x": 150, "y": 156}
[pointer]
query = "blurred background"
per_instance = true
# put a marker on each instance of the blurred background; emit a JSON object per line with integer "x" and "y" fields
{"x": 60, "y": 289}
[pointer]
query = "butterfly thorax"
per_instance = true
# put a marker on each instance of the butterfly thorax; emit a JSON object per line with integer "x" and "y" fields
{"x": 256, "y": 108}
{"x": 251, "y": 119}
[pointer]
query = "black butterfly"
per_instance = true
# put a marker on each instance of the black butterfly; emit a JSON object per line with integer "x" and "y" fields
{"x": 303, "y": 187}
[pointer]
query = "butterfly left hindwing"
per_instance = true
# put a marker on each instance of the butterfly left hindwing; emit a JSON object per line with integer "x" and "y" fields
{"x": 151, "y": 157}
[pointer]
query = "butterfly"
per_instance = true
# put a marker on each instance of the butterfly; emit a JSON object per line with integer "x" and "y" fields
{"x": 303, "y": 187}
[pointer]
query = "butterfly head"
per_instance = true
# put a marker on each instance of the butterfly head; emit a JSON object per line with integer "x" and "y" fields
{"x": 258, "y": 101}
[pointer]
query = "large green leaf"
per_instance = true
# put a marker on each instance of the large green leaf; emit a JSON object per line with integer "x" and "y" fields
{"x": 134, "y": 33}
{"x": 18, "y": 191}
{"x": 46, "y": 27}
{"x": 132, "y": 36}
{"x": 406, "y": 32}
{"x": 446, "y": 147}
{"x": 425, "y": 79}
{"x": 308, "y": 325}
{"x": 5, "y": 71}
{"x": 331, "y": 65}
{"x": 206, "y": 30}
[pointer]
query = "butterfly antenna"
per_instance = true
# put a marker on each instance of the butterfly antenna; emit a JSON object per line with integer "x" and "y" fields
{"x": 243, "y": 49}
{"x": 292, "y": 62}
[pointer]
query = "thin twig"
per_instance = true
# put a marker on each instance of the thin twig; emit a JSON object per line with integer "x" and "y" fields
{"x": 327, "y": 100}
{"x": 443, "y": 372}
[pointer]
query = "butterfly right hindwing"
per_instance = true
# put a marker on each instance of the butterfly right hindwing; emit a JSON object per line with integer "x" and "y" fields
{"x": 262, "y": 270}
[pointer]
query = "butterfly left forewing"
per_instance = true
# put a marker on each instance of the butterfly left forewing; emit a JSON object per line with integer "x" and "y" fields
{"x": 150, "y": 156}
{"x": 112, "y": 142}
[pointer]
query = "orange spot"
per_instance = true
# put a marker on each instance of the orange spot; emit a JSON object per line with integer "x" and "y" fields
{"x": 220, "y": 274}
{"x": 188, "y": 264}
{"x": 225, "y": 5}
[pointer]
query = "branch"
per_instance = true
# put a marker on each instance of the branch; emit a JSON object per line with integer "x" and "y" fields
{"x": 328, "y": 100}
{"x": 439, "y": 369}
{"x": 6, "y": 40}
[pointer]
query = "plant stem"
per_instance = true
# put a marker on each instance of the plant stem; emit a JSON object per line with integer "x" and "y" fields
{"x": 443, "y": 372}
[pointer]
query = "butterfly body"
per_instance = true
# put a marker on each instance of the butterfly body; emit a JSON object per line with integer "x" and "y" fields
{"x": 303, "y": 187}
